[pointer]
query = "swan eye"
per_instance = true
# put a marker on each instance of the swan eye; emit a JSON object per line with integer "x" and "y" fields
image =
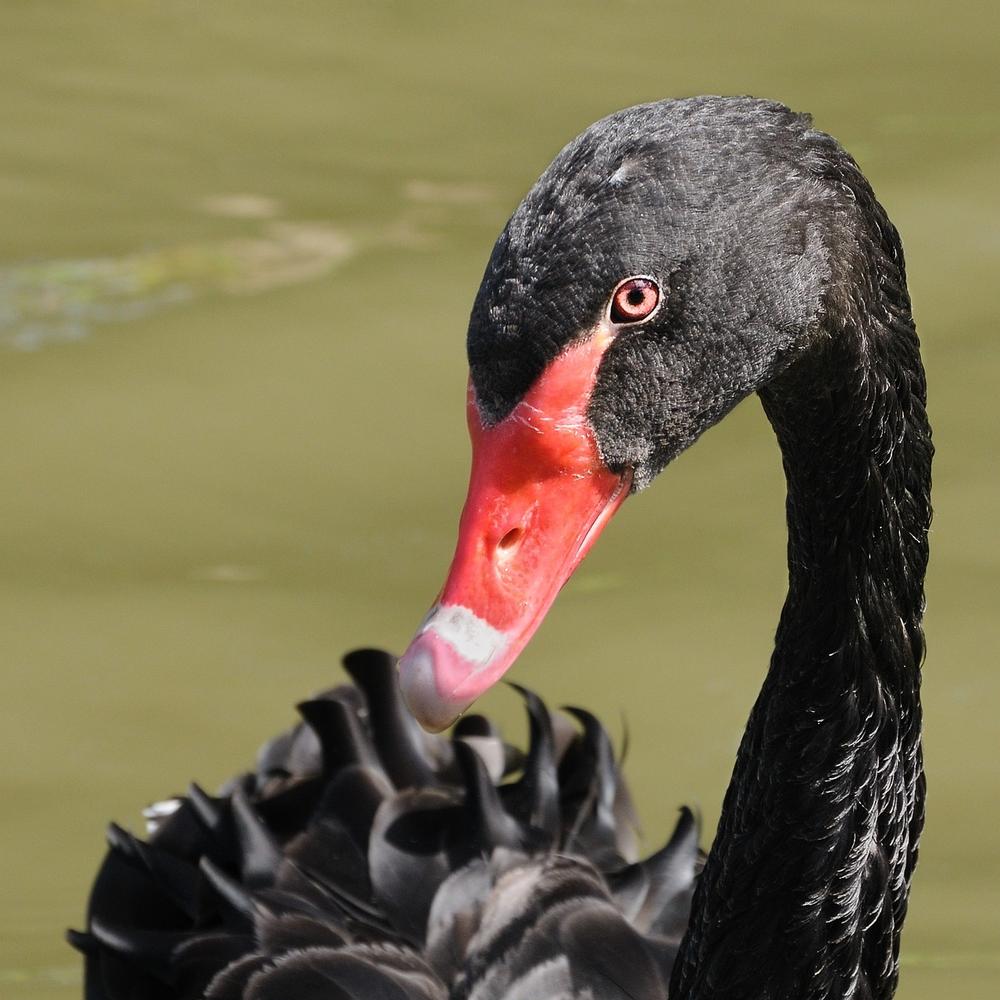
{"x": 634, "y": 300}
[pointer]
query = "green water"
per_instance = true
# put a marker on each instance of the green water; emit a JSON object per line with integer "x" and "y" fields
{"x": 238, "y": 250}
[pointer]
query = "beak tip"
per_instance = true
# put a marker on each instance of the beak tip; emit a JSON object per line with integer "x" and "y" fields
{"x": 418, "y": 684}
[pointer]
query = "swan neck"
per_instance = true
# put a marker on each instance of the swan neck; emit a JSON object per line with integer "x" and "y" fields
{"x": 805, "y": 890}
{"x": 856, "y": 447}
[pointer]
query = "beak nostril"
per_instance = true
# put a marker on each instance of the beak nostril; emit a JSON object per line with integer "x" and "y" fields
{"x": 510, "y": 540}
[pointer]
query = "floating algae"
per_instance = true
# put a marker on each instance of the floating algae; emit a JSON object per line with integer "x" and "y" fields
{"x": 58, "y": 301}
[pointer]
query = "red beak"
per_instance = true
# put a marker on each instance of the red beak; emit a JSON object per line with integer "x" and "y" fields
{"x": 539, "y": 495}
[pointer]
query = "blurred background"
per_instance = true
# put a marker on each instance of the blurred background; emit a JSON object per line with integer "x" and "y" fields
{"x": 239, "y": 246}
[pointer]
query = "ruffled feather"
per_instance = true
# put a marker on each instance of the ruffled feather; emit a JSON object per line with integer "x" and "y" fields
{"x": 365, "y": 860}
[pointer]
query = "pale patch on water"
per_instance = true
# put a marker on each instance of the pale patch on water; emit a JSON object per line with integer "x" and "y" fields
{"x": 228, "y": 573}
{"x": 61, "y": 301}
{"x": 58, "y": 301}
{"x": 287, "y": 254}
{"x": 241, "y": 206}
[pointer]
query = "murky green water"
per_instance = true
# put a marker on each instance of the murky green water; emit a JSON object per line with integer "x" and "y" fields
{"x": 238, "y": 249}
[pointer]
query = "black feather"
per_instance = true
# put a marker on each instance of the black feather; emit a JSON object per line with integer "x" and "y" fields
{"x": 381, "y": 892}
{"x": 364, "y": 859}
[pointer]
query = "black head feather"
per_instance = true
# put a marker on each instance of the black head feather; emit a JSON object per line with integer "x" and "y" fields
{"x": 731, "y": 204}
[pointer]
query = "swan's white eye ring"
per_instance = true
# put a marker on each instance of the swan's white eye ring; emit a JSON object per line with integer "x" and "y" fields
{"x": 634, "y": 300}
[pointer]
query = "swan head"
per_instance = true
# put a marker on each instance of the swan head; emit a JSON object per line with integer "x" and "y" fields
{"x": 673, "y": 259}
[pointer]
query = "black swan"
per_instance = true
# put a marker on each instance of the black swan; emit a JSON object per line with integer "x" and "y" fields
{"x": 673, "y": 259}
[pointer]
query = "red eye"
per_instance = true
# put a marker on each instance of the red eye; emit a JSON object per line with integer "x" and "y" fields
{"x": 634, "y": 299}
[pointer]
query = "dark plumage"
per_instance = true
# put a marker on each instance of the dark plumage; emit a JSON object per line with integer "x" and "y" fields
{"x": 363, "y": 859}
{"x": 783, "y": 275}
{"x": 780, "y": 274}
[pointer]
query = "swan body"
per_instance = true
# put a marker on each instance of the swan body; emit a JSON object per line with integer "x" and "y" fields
{"x": 362, "y": 858}
{"x": 675, "y": 258}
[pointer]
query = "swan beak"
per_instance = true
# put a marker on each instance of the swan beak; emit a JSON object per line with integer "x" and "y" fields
{"x": 539, "y": 495}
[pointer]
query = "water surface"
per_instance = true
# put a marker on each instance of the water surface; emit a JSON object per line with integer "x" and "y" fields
{"x": 239, "y": 248}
